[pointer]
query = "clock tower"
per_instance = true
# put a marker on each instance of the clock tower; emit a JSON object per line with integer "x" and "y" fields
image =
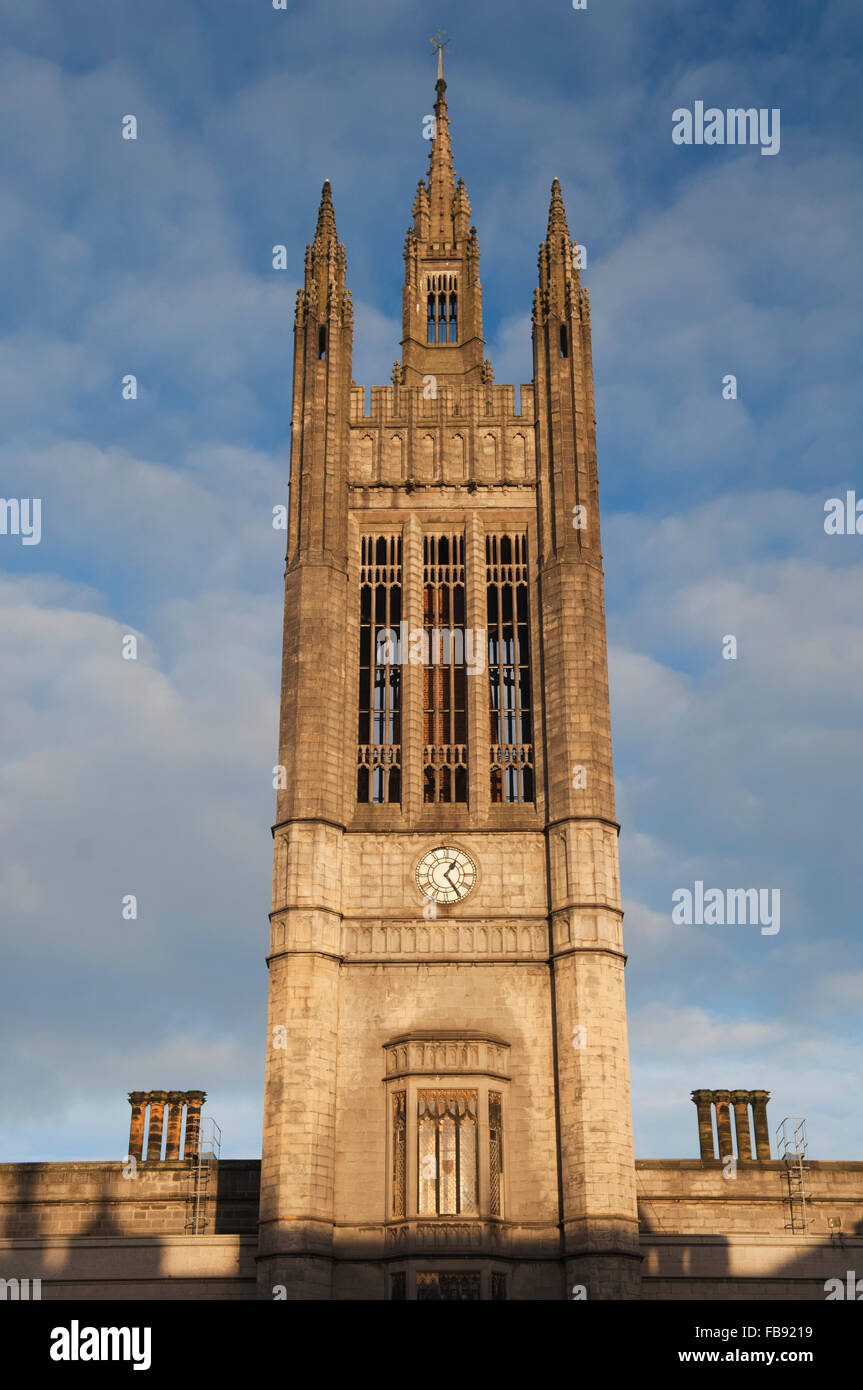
{"x": 447, "y": 1109}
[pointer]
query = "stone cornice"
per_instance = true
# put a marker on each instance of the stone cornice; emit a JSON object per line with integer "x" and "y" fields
{"x": 437, "y": 1054}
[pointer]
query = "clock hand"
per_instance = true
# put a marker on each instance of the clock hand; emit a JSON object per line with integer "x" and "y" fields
{"x": 453, "y": 886}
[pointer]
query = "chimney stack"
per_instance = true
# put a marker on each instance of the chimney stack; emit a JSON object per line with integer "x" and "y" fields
{"x": 150, "y": 1151}
{"x": 722, "y": 1101}
{"x": 194, "y": 1101}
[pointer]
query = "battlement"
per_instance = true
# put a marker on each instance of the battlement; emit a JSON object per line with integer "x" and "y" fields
{"x": 403, "y": 405}
{"x": 468, "y": 434}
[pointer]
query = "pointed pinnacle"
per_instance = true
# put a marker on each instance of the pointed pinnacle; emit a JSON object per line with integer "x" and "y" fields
{"x": 326, "y": 227}
{"x": 557, "y": 212}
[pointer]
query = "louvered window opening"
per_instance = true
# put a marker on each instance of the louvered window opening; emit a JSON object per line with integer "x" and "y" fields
{"x": 442, "y": 308}
{"x": 511, "y": 720}
{"x": 380, "y": 682}
{"x": 444, "y": 671}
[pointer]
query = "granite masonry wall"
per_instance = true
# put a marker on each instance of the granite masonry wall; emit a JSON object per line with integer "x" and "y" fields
{"x": 89, "y": 1233}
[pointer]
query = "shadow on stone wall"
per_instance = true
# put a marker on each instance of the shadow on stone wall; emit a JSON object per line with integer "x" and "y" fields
{"x": 714, "y": 1268}
{"x": 88, "y": 1233}
{"x": 73, "y": 1227}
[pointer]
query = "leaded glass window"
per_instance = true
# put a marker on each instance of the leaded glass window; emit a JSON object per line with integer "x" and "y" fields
{"x": 399, "y": 1153}
{"x": 495, "y": 1152}
{"x": 447, "y": 1153}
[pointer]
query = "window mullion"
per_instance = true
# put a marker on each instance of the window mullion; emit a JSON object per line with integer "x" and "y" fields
{"x": 437, "y": 1163}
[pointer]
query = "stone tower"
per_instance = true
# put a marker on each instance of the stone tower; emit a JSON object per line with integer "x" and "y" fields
{"x": 447, "y": 1108}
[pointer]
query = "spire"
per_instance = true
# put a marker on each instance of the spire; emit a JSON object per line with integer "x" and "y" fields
{"x": 326, "y": 228}
{"x": 442, "y": 295}
{"x": 557, "y": 212}
{"x": 559, "y": 280}
{"x": 324, "y": 289}
{"x": 441, "y": 176}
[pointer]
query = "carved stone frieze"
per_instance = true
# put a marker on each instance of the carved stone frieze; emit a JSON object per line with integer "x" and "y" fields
{"x": 455, "y": 1055}
{"x": 442, "y": 939}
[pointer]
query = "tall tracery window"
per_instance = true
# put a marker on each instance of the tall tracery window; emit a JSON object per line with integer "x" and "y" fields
{"x": 442, "y": 308}
{"x": 495, "y": 1151}
{"x": 511, "y": 731}
{"x": 399, "y": 1152}
{"x": 445, "y": 1135}
{"x": 447, "y": 1153}
{"x": 444, "y": 670}
{"x": 379, "y": 723}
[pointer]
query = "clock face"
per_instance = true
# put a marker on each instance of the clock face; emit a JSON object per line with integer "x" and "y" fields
{"x": 446, "y": 874}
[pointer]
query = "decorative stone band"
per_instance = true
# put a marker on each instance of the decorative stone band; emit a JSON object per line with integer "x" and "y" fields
{"x": 722, "y": 1102}
{"x": 446, "y": 939}
{"x": 446, "y": 1235}
{"x": 441, "y": 1054}
{"x": 161, "y": 1103}
{"x": 379, "y": 755}
{"x": 505, "y": 755}
{"x": 452, "y": 1236}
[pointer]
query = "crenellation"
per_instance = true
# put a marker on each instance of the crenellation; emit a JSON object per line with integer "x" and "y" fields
{"x": 470, "y": 435}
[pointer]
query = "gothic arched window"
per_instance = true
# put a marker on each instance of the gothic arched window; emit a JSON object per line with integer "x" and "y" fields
{"x": 379, "y": 697}
{"x": 444, "y": 670}
{"x": 510, "y": 711}
{"x": 447, "y": 1095}
{"x": 442, "y": 308}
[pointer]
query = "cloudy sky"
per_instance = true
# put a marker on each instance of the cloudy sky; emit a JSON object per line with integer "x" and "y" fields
{"x": 153, "y": 257}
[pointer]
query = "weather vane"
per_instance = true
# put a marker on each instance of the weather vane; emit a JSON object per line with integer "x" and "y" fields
{"x": 440, "y": 42}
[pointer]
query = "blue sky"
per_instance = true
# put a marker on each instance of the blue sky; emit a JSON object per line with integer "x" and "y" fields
{"x": 154, "y": 257}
